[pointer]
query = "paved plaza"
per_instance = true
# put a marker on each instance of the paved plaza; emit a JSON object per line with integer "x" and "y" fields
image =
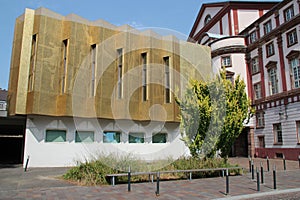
{"x": 43, "y": 183}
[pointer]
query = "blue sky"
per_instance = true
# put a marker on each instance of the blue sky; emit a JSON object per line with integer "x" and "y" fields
{"x": 177, "y": 15}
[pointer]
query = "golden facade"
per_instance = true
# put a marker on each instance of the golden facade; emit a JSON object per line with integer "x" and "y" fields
{"x": 69, "y": 66}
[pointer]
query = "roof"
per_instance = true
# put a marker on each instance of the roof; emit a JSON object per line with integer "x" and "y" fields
{"x": 3, "y": 95}
{"x": 226, "y": 6}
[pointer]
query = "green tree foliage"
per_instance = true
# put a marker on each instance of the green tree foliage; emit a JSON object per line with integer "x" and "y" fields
{"x": 213, "y": 115}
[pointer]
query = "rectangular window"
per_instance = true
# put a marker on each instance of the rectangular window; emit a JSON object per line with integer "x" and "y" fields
{"x": 159, "y": 138}
{"x": 144, "y": 76}
{"x": 93, "y": 68}
{"x": 56, "y": 136}
{"x": 120, "y": 72}
{"x": 32, "y": 62}
{"x": 260, "y": 119}
{"x": 2, "y": 106}
{"x": 273, "y": 81}
{"x": 261, "y": 141}
{"x": 257, "y": 90}
{"x": 298, "y": 131}
{"x": 65, "y": 63}
{"x": 255, "y": 65}
{"x": 167, "y": 79}
{"x": 295, "y": 66}
{"x": 226, "y": 61}
{"x": 288, "y": 13}
{"x": 84, "y": 136}
{"x": 253, "y": 37}
{"x": 270, "y": 49}
{"x": 268, "y": 27}
{"x": 291, "y": 38}
{"x": 136, "y": 138}
{"x": 277, "y": 133}
{"x": 111, "y": 137}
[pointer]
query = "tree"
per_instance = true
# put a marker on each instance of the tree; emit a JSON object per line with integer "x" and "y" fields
{"x": 213, "y": 115}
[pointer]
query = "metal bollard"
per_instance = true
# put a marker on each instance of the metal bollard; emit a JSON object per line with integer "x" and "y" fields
{"x": 274, "y": 178}
{"x": 249, "y": 164}
{"x": 257, "y": 179}
{"x": 262, "y": 173}
{"x": 26, "y": 165}
{"x": 252, "y": 170}
{"x": 190, "y": 176}
{"x": 299, "y": 160}
{"x": 129, "y": 177}
{"x": 227, "y": 182}
{"x": 268, "y": 164}
{"x": 157, "y": 185}
{"x": 284, "y": 164}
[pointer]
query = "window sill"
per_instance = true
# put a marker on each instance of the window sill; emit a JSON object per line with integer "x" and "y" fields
{"x": 278, "y": 143}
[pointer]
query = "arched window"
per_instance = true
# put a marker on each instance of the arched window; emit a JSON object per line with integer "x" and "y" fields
{"x": 207, "y": 19}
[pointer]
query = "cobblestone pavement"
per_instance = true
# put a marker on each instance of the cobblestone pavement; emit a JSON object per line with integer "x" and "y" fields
{"x": 42, "y": 184}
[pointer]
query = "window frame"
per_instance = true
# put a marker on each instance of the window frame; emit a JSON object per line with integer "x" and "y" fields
{"x": 286, "y": 11}
{"x": 120, "y": 60}
{"x": 257, "y": 93}
{"x": 294, "y": 80}
{"x": 156, "y": 134}
{"x": 261, "y": 141}
{"x": 207, "y": 19}
{"x": 224, "y": 61}
{"x": 268, "y": 27}
{"x": 131, "y": 136}
{"x": 294, "y": 35}
{"x": 118, "y": 136}
{"x": 273, "y": 88}
{"x": 256, "y": 65}
{"x": 253, "y": 36}
{"x": 278, "y": 138}
{"x": 260, "y": 119}
{"x": 298, "y": 131}
{"x": 144, "y": 58}
{"x": 166, "y": 61}
{"x": 78, "y": 132}
{"x": 57, "y": 130}
{"x": 270, "y": 49}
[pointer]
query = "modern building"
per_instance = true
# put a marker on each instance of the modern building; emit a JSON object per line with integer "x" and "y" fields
{"x": 88, "y": 88}
{"x": 259, "y": 41}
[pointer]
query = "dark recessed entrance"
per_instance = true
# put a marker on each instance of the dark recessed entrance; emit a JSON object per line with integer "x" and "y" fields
{"x": 12, "y": 131}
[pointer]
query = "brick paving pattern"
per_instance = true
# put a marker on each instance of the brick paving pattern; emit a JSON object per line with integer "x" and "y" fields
{"x": 208, "y": 188}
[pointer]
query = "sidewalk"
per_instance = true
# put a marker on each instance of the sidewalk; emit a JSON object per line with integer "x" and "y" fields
{"x": 41, "y": 184}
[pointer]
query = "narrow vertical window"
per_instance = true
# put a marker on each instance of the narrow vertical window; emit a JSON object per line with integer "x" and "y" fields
{"x": 295, "y": 67}
{"x": 257, "y": 90}
{"x": 273, "y": 81}
{"x": 65, "y": 59}
{"x": 167, "y": 79}
{"x": 32, "y": 62}
{"x": 144, "y": 76}
{"x": 254, "y": 65}
{"x": 277, "y": 133}
{"x": 120, "y": 71}
{"x": 298, "y": 131}
{"x": 93, "y": 67}
{"x": 288, "y": 13}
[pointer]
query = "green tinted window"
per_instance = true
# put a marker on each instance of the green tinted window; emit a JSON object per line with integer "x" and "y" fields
{"x": 136, "y": 138}
{"x": 159, "y": 138}
{"x": 84, "y": 136}
{"x": 55, "y": 136}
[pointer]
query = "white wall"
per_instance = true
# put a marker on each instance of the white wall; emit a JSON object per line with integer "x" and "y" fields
{"x": 246, "y": 17}
{"x": 289, "y": 134}
{"x": 59, "y": 154}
